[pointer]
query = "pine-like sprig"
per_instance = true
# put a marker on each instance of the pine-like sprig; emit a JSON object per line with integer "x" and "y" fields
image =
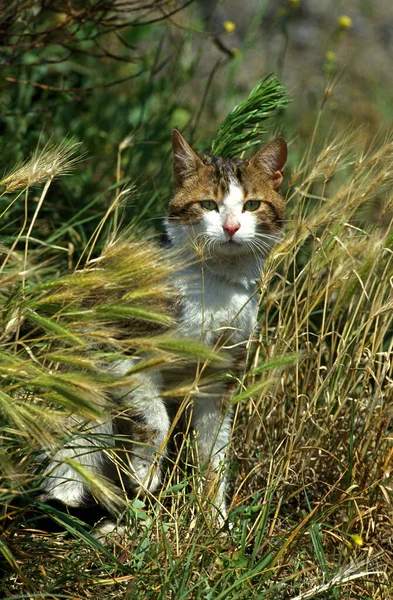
{"x": 242, "y": 128}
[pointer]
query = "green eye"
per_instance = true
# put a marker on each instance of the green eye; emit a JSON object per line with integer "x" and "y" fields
{"x": 252, "y": 205}
{"x": 209, "y": 204}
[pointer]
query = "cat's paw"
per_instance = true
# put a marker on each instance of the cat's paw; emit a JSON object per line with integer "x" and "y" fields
{"x": 109, "y": 532}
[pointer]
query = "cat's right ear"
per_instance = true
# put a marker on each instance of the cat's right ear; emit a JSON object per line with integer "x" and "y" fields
{"x": 185, "y": 160}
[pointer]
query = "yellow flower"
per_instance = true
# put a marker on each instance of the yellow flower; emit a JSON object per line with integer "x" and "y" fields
{"x": 330, "y": 56}
{"x": 344, "y": 22}
{"x": 229, "y": 26}
{"x": 357, "y": 539}
{"x": 293, "y": 2}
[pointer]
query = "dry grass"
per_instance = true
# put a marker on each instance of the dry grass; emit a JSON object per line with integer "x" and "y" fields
{"x": 311, "y": 460}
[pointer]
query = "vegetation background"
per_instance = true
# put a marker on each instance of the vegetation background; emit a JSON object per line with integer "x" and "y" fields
{"x": 312, "y": 443}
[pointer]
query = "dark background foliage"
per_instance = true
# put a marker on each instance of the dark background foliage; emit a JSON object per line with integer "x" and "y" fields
{"x": 118, "y": 76}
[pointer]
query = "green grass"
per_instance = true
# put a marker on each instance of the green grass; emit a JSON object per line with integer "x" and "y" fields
{"x": 311, "y": 454}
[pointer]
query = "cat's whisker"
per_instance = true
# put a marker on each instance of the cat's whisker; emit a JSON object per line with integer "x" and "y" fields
{"x": 253, "y": 251}
{"x": 256, "y": 251}
{"x": 211, "y": 246}
{"x": 155, "y": 219}
{"x": 263, "y": 251}
{"x": 258, "y": 256}
{"x": 268, "y": 236}
{"x": 261, "y": 246}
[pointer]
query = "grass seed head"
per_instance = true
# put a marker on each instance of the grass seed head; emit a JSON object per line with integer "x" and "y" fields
{"x": 50, "y": 162}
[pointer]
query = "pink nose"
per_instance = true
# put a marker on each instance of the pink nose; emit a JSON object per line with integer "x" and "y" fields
{"x": 231, "y": 228}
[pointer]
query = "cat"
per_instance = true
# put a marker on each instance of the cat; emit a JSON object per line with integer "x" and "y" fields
{"x": 223, "y": 219}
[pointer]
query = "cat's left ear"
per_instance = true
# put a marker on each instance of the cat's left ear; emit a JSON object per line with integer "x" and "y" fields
{"x": 272, "y": 158}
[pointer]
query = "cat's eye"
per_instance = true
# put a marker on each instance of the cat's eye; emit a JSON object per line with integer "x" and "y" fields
{"x": 251, "y": 205}
{"x": 209, "y": 204}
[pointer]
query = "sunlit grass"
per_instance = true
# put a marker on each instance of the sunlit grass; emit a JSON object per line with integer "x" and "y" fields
{"x": 312, "y": 440}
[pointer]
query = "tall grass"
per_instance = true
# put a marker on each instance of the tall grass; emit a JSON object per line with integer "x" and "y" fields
{"x": 310, "y": 508}
{"x": 310, "y": 480}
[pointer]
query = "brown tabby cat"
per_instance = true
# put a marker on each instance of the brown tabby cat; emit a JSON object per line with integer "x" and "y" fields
{"x": 226, "y": 214}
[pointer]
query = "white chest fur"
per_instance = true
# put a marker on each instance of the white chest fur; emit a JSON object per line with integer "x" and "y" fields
{"x": 212, "y": 305}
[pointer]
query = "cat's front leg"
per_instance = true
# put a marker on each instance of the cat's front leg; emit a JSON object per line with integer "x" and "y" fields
{"x": 126, "y": 446}
{"x": 89, "y": 448}
{"x": 212, "y": 422}
{"x": 143, "y": 427}
{"x": 144, "y": 445}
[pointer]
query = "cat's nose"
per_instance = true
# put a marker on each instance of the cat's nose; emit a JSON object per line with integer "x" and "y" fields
{"x": 231, "y": 228}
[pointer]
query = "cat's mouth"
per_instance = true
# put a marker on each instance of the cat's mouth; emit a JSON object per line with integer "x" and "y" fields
{"x": 231, "y": 243}
{"x": 231, "y": 246}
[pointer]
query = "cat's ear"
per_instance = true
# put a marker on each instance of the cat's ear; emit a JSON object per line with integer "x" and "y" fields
{"x": 272, "y": 158}
{"x": 185, "y": 160}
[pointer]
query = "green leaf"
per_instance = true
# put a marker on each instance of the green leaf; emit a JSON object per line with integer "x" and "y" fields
{"x": 102, "y": 487}
{"x": 281, "y": 362}
{"x": 112, "y": 311}
{"x": 77, "y": 528}
{"x": 252, "y": 390}
{"x": 174, "y": 489}
{"x": 7, "y": 554}
{"x": 50, "y": 326}
{"x": 242, "y": 128}
{"x": 68, "y": 395}
{"x": 189, "y": 348}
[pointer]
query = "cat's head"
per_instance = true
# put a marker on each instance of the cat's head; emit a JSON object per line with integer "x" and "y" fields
{"x": 227, "y": 207}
